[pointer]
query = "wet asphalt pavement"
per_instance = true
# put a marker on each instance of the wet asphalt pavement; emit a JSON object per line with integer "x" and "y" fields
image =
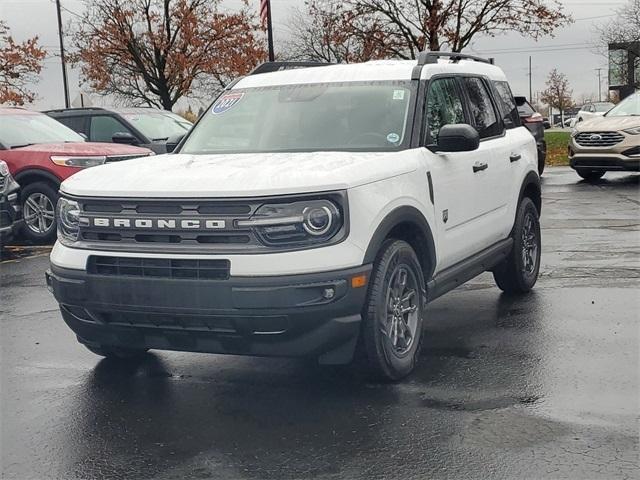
{"x": 544, "y": 386}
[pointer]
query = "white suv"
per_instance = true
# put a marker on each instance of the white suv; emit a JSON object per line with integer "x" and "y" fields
{"x": 310, "y": 212}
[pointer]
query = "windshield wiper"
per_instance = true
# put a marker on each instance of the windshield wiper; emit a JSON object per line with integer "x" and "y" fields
{"x": 21, "y": 146}
{"x": 159, "y": 139}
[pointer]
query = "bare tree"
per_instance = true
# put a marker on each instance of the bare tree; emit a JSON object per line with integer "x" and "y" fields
{"x": 327, "y": 31}
{"x": 558, "y": 94}
{"x": 20, "y": 64}
{"x": 452, "y": 24}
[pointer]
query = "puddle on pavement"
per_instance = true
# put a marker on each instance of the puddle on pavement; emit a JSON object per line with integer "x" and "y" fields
{"x": 18, "y": 252}
{"x": 480, "y": 404}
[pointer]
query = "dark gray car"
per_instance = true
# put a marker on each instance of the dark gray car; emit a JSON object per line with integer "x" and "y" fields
{"x": 535, "y": 124}
{"x": 143, "y": 127}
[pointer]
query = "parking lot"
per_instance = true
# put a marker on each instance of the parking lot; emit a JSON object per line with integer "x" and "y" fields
{"x": 544, "y": 386}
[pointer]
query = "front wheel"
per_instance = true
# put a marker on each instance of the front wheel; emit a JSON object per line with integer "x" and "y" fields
{"x": 519, "y": 271}
{"x": 393, "y": 315}
{"x": 590, "y": 175}
{"x": 38, "y": 210}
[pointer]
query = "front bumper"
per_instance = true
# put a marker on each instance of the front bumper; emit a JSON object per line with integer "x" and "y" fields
{"x": 604, "y": 162}
{"x": 313, "y": 315}
{"x": 10, "y": 214}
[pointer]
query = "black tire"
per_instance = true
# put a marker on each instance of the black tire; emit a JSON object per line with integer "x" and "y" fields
{"x": 519, "y": 271}
{"x": 33, "y": 229}
{"x": 384, "y": 318}
{"x": 590, "y": 175}
{"x": 116, "y": 352}
{"x": 540, "y": 165}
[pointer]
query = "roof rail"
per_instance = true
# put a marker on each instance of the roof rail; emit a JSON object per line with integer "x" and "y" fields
{"x": 277, "y": 66}
{"x": 72, "y": 109}
{"x": 425, "y": 58}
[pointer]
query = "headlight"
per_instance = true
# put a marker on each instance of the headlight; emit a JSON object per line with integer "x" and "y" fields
{"x": 299, "y": 223}
{"x": 4, "y": 169}
{"x": 68, "y": 215}
{"x": 78, "y": 161}
{"x": 574, "y": 132}
{"x": 633, "y": 131}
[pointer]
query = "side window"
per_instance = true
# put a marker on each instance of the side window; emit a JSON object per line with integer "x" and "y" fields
{"x": 444, "y": 106}
{"x": 507, "y": 104}
{"x": 482, "y": 113}
{"x": 103, "y": 127}
{"x": 77, "y": 124}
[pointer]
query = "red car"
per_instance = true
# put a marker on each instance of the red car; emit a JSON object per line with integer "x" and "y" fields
{"x": 41, "y": 153}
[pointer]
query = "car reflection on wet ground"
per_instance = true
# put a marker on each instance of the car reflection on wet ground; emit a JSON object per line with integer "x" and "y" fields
{"x": 543, "y": 386}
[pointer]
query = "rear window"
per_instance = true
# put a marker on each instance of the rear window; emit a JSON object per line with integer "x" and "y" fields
{"x": 507, "y": 105}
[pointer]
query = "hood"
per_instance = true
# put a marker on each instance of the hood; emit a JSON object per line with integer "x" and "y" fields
{"x": 85, "y": 148}
{"x": 238, "y": 175}
{"x": 598, "y": 124}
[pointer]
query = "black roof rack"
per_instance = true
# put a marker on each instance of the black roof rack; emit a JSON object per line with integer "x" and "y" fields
{"x": 425, "y": 58}
{"x": 277, "y": 66}
{"x": 57, "y": 110}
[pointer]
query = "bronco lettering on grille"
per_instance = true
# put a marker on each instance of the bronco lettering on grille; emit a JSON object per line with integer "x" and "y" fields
{"x": 158, "y": 223}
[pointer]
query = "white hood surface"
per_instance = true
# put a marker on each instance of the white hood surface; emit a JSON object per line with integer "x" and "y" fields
{"x": 237, "y": 175}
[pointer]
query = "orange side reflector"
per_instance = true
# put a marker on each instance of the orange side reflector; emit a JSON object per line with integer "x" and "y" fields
{"x": 359, "y": 281}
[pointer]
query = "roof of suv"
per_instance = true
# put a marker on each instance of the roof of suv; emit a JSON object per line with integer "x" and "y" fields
{"x": 378, "y": 70}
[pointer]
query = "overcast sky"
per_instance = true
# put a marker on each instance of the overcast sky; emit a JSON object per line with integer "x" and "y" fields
{"x": 570, "y": 51}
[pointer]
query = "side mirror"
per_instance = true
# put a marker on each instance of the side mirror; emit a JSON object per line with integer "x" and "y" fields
{"x": 125, "y": 138}
{"x": 458, "y": 137}
{"x": 172, "y": 142}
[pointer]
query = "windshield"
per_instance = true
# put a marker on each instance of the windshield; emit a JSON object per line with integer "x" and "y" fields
{"x": 629, "y": 106}
{"x": 603, "y": 107}
{"x": 21, "y": 130}
{"x": 158, "y": 125}
{"x": 368, "y": 116}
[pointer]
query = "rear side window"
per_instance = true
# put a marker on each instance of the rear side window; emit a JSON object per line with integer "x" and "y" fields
{"x": 507, "y": 105}
{"x": 103, "y": 127}
{"x": 77, "y": 124}
{"x": 483, "y": 115}
{"x": 444, "y": 107}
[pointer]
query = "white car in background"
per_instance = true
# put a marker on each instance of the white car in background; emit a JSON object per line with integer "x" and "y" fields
{"x": 595, "y": 109}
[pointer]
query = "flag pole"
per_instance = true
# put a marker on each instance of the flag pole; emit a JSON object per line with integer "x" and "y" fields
{"x": 272, "y": 56}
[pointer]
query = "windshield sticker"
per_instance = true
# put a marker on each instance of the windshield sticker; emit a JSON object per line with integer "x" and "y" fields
{"x": 225, "y": 102}
{"x": 393, "y": 137}
{"x": 398, "y": 94}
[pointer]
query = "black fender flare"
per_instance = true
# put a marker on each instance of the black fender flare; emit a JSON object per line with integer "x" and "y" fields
{"x": 404, "y": 214}
{"x": 37, "y": 172}
{"x": 532, "y": 179}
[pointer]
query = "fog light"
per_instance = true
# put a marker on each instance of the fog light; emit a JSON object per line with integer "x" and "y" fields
{"x": 328, "y": 293}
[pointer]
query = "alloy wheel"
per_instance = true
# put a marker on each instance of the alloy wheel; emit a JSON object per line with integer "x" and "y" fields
{"x": 39, "y": 213}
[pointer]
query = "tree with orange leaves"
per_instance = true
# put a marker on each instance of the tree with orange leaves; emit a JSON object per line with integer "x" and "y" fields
{"x": 153, "y": 52}
{"x": 20, "y": 64}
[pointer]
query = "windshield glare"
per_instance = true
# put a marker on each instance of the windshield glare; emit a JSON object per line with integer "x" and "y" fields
{"x": 603, "y": 107}
{"x": 368, "y": 116}
{"x": 27, "y": 129}
{"x": 158, "y": 126}
{"x": 629, "y": 106}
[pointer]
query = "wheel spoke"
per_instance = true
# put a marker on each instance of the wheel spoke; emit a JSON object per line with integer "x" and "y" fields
{"x": 32, "y": 204}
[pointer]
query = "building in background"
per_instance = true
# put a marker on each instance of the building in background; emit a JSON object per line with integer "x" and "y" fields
{"x": 624, "y": 68}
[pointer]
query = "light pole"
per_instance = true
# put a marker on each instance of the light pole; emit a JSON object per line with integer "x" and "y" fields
{"x": 65, "y": 83}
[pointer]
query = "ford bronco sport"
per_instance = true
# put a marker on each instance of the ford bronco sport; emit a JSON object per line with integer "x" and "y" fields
{"x": 311, "y": 212}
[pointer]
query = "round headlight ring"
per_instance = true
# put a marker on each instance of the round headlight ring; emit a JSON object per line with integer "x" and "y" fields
{"x": 312, "y": 218}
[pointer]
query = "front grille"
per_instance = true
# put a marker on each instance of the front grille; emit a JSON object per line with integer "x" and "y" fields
{"x": 120, "y": 158}
{"x": 3, "y": 181}
{"x": 186, "y": 269}
{"x": 599, "y": 139}
{"x": 151, "y": 237}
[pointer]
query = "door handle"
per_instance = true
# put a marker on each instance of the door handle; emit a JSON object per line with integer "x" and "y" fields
{"x": 514, "y": 157}
{"x": 478, "y": 166}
